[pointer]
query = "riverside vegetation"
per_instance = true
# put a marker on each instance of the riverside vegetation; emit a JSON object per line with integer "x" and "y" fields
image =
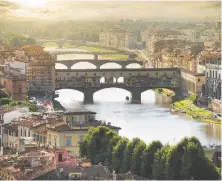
{"x": 187, "y": 106}
{"x": 183, "y": 161}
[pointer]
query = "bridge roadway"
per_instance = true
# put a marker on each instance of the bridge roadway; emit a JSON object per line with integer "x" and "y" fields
{"x": 136, "y": 81}
{"x": 63, "y": 52}
{"x": 98, "y": 63}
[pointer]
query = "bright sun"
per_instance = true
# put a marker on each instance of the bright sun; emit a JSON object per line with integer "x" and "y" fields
{"x": 31, "y": 3}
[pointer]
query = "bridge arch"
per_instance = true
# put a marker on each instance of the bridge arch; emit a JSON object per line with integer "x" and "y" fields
{"x": 134, "y": 65}
{"x": 83, "y": 65}
{"x": 60, "y": 66}
{"x": 112, "y": 65}
{"x": 120, "y": 80}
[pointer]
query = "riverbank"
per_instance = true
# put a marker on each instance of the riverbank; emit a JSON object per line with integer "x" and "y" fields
{"x": 188, "y": 107}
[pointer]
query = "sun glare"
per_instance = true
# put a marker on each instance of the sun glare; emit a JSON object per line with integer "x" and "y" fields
{"x": 31, "y": 3}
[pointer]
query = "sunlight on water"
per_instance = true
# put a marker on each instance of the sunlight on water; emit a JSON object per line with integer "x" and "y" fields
{"x": 148, "y": 121}
{"x": 104, "y": 95}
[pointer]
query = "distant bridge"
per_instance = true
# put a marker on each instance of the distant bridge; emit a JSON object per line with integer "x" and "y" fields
{"x": 99, "y": 63}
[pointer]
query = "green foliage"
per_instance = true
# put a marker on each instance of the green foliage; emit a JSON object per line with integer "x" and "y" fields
{"x": 97, "y": 142}
{"x": 127, "y": 160}
{"x": 148, "y": 158}
{"x": 4, "y": 94}
{"x": 117, "y": 156}
{"x": 160, "y": 163}
{"x": 174, "y": 162}
{"x": 136, "y": 157}
{"x": 5, "y": 101}
{"x": 196, "y": 166}
{"x": 17, "y": 40}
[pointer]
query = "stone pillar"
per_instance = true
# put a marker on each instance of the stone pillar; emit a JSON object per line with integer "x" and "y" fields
{"x": 88, "y": 97}
{"x": 96, "y": 57}
{"x": 136, "y": 96}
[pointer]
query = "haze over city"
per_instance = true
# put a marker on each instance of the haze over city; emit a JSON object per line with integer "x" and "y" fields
{"x": 107, "y": 10}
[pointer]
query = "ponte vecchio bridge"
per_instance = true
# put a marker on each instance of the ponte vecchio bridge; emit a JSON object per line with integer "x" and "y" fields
{"x": 99, "y": 63}
{"x": 136, "y": 81}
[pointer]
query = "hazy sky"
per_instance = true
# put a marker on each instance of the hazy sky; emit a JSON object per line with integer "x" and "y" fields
{"x": 105, "y": 10}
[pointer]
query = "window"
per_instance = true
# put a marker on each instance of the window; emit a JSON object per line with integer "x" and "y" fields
{"x": 25, "y": 133}
{"x": 199, "y": 80}
{"x": 21, "y": 132}
{"x": 55, "y": 140}
{"x": 29, "y": 134}
{"x": 85, "y": 73}
{"x": 174, "y": 73}
{"x": 20, "y": 90}
{"x": 68, "y": 140}
{"x": 94, "y": 73}
{"x": 129, "y": 73}
{"x": 138, "y": 73}
{"x": 67, "y": 73}
{"x": 81, "y": 138}
{"x": 77, "y": 74}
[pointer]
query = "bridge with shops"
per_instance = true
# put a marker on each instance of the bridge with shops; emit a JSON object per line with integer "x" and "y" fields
{"x": 136, "y": 81}
{"x": 99, "y": 63}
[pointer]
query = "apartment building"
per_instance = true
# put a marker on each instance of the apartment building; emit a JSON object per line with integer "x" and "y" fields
{"x": 40, "y": 70}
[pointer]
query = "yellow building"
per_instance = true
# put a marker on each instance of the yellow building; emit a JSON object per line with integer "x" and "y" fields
{"x": 40, "y": 70}
{"x": 76, "y": 124}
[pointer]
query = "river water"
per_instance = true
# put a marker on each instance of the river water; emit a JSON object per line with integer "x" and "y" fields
{"x": 149, "y": 121}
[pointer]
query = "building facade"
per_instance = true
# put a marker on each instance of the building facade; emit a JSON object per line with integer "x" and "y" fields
{"x": 40, "y": 70}
{"x": 14, "y": 82}
{"x": 213, "y": 78}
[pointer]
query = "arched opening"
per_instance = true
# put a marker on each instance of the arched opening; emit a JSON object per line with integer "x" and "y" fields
{"x": 203, "y": 90}
{"x": 110, "y": 80}
{"x": 67, "y": 97}
{"x": 120, "y": 80}
{"x": 83, "y": 65}
{"x": 110, "y": 65}
{"x": 102, "y": 80}
{"x": 219, "y": 91}
{"x": 106, "y": 95}
{"x": 60, "y": 66}
{"x": 133, "y": 65}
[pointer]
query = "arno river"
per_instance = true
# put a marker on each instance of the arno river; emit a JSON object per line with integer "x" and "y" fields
{"x": 149, "y": 121}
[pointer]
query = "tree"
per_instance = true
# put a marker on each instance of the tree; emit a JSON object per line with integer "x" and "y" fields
{"x": 148, "y": 158}
{"x": 175, "y": 160}
{"x": 127, "y": 158}
{"x": 196, "y": 166}
{"x": 160, "y": 163}
{"x": 30, "y": 41}
{"x": 96, "y": 143}
{"x": 112, "y": 143}
{"x": 118, "y": 152}
{"x": 136, "y": 157}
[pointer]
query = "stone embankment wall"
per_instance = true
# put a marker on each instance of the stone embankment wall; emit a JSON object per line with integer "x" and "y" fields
{"x": 216, "y": 106}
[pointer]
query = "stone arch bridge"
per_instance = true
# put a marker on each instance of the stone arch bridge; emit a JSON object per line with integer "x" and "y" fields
{"x": 99, "y": 63}
{"x": 136, "y": 81}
